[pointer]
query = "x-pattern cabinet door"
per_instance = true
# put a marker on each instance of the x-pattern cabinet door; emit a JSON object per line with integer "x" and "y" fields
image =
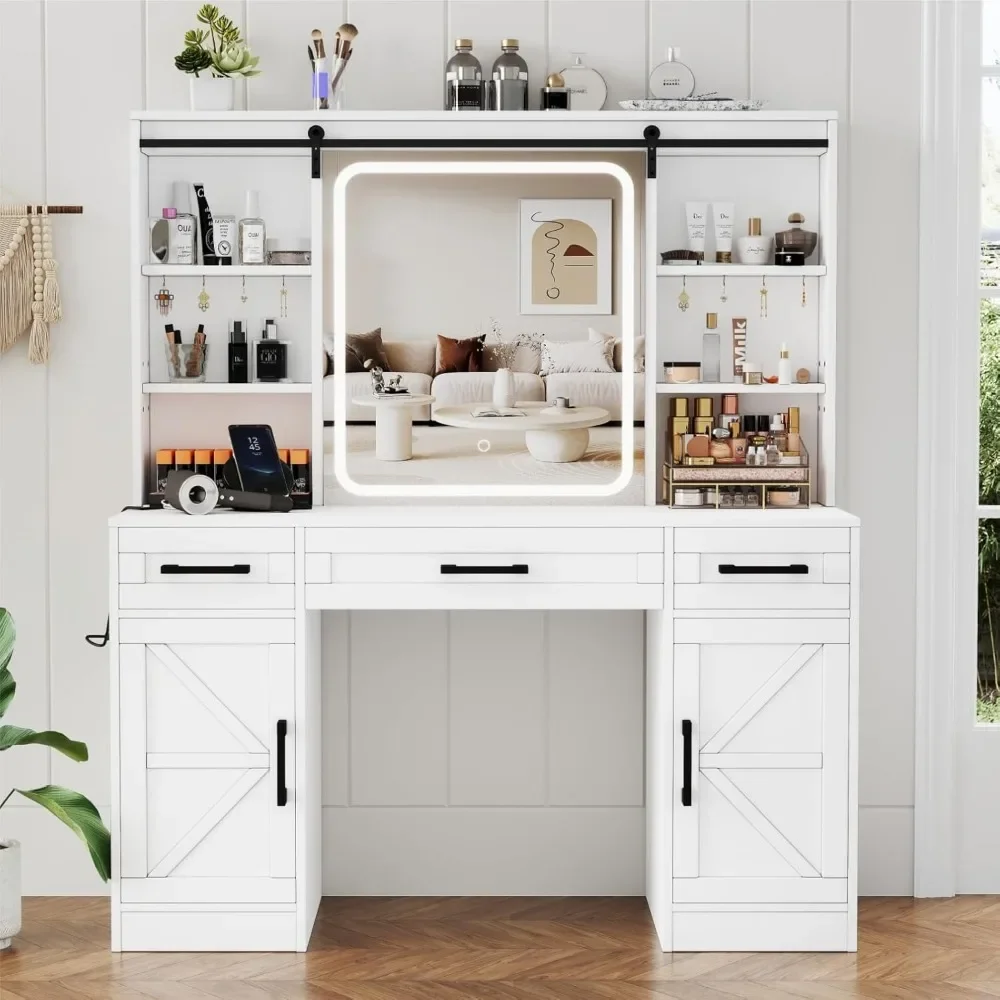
{"x": 207, "y": 762}
{"x": 761, "y": 740}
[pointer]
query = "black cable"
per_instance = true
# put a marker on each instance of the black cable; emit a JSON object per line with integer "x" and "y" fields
{"x": 99, "y": 639}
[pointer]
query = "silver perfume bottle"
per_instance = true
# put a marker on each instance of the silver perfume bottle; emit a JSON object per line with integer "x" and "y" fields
{"x": 508, "y": 90}
{"x": 463, "y": 79}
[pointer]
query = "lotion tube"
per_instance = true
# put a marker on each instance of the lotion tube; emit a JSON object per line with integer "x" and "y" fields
{"x": 722, "y": 216}
{"x": 696, "y": 212}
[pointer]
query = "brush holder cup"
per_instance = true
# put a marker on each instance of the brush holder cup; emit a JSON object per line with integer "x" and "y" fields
{"x": 186, "y": 362}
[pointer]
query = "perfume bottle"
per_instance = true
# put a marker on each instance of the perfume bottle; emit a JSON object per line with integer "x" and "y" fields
{"x": 754, "y": 248}
{"x": 711, "y": 349}
{"x": 588, "y": 90}
{"x": 251, "y": 233}
{"x": 671, "y": 80}
{"x": 270, "y": 355}
{"x": 508, "y": 90}
{"x": 239, "y": 352}
{"x": 463, "y": 79}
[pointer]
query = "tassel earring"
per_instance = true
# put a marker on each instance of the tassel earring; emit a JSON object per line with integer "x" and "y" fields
{"x": 683, "y": 300}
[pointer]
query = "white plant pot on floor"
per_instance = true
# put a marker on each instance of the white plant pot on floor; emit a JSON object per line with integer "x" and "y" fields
{"x": 212, "y": 93}
{"x": 10, "y": 891}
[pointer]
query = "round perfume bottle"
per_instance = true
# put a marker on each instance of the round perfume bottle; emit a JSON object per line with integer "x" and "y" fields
{"x": 587, "y": 88}
{"x": 671, "y": 80}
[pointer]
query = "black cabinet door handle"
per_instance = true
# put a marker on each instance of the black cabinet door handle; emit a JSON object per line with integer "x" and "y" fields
{"x": 514, "y": 569}
{"x": 282, "y": 787}
{"x": 174, "y": 569}
{"x": 792, "y": 569}
{"x": 686, "y": 730}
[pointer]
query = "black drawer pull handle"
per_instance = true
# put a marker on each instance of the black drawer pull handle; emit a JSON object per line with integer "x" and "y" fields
{"x": 792, "y": 569}
{"x": 282, "y": 789}
{"x": 514, "y": 569}
{"x": 174, "y": 569}
{"x": 688, "y": 762}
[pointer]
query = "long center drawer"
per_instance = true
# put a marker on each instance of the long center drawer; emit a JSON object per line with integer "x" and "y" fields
{"x": 484, "y": 568}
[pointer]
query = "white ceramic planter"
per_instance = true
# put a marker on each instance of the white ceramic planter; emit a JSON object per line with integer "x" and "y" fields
{"x": 503, "y": 388}
{"x": 212, "y": 93}
{"x": 10, "y": 891}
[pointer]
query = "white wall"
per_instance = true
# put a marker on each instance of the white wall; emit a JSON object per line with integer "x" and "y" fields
{"x": 64, "y": 429}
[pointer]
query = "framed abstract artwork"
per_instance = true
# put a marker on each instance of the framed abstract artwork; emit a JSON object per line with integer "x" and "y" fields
{"x": 566, "y": 255}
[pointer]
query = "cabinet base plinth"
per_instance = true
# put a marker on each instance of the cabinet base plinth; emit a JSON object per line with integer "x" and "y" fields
{"x": 761, "y": 931}
{"x": 208, "y": 931}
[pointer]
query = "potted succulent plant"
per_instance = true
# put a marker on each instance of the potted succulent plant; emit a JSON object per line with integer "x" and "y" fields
{"x": 76, "y": 811}
{"x": 214, "y": 57}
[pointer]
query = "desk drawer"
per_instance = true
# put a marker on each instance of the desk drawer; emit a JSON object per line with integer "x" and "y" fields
{"x": 212, "y": 580}
{"x": 762, "y": 580}
{"x": 206, "y": 539}
{"x": 490, "y": 568}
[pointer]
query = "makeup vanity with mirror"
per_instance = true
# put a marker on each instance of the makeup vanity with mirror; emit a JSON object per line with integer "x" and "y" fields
{"x": 747, "y": 619}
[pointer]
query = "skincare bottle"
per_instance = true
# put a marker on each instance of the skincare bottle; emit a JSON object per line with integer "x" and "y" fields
{"x": 722, "y": 216}
{"x": 794, "y": 438}
{"x": 182, "y": 239}
{"x": 671, "y": 80}
{"x": 711, "y": 351}
{"x": 463, "y": 79}
{"x": 252, "y": 241}
{"x": 695, "y": 212}
{"x": 224, "y": 237}
{"x": 270, "y": 355}
{"x": 754, "y": 248}
{"x": 508, "y": 90}
{"x": 784, "y": 367}
{"x": 680, "y": 427}
{"x": 778, "y": 433}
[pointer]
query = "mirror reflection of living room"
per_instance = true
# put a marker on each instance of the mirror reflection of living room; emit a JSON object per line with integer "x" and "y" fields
{"x": 484, "y": 341}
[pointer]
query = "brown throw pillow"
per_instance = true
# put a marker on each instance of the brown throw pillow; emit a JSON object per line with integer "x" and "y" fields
{"x": 362, "y": 347}
{"x": 459, "y": 355}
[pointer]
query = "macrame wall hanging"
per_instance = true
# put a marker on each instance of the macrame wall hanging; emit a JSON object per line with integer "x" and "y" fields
{"x": 29, "y": 291}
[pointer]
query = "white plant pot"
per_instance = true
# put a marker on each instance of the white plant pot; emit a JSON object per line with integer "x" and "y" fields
{"x": 10, "y": 891}
{"x": 503, "y": 387}
{"x": 212, "y": 93}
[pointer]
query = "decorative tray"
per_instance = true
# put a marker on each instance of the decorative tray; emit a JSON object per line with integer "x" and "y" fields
{"x": 692, "y": 104}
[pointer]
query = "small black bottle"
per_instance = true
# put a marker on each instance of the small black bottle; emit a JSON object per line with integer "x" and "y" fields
{"x": 239, "y": 352}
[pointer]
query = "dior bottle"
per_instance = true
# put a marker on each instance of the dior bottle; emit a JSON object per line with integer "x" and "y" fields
{"x": 508, "y": 90}
{"x": 463, "y": 79}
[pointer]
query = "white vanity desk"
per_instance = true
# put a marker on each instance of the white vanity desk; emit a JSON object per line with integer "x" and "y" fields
{"x": 751, "y": 703}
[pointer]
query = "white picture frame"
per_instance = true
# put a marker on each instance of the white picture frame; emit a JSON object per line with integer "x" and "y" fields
{"x": 583, "y": 240}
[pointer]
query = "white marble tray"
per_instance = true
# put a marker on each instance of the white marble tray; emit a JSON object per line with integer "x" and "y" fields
{"x": 691, "y": 105}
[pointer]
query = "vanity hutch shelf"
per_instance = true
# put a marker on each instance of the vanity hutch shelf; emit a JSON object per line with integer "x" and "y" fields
{"x": 751, "y": 616}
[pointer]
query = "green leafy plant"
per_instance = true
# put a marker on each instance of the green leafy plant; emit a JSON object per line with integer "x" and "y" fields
{"x": 74, "y": 809}
{"x": 220, "y": 48}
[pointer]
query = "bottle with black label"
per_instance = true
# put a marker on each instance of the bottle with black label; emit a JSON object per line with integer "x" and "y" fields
{"x": 271, "y": 355}
{"x": 463, "y": 79}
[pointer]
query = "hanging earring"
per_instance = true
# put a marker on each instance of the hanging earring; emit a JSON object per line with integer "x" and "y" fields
{"x": 284, "y": 299}
{"x": 803, "y": 291}
{"x": 164, "y": 299}
{"x": 763, "y": 298}
{"x": 243, "y": 294}
{"x": 722, "y": 297}
{"x": 683, "y": 300}
{"x": 203, "y": 297}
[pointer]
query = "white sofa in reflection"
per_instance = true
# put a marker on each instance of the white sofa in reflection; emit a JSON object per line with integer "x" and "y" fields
{"x": 414, "y": 360}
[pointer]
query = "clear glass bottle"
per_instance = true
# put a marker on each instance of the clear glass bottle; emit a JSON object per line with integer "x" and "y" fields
{"x": 588, "y": 90}
{"x": 182, "y": 236}
{"x": 671, "y": 80}
{"x": 508, "y": 90}
{"x": 463, "y": 79}
{"x": 711, "y": 350}
{"x": 253, "y": 244}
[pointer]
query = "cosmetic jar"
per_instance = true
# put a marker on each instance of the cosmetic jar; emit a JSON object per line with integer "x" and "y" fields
{"x": 289, "y": 253}
{"x": 783, "y": 496}
{"x": 689, "y": 496}
{"x": 752, "y": 374}
{"x": 679, "y": 372}
{"x": 789, "y": 258}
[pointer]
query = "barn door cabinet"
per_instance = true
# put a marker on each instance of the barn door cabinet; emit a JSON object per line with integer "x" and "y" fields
{"x": 207, "y": 770}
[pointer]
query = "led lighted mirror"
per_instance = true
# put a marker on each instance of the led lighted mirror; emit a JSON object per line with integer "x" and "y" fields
{"x": 447, "y": 257}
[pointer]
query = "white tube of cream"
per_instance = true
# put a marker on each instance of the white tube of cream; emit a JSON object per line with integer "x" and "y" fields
{"x": 696, "y": 212}
{"x": 722, "y": 214}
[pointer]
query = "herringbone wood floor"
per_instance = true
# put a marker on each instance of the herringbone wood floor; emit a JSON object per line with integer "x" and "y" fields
{"x": 507, "y": 949}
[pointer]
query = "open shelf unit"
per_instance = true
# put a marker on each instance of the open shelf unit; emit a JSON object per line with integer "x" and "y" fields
{"x": 739, "y": 271}
{"x": 232, "y": 271}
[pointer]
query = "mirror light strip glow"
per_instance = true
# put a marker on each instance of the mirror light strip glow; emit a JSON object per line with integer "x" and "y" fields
{"x": 626, "y": 296}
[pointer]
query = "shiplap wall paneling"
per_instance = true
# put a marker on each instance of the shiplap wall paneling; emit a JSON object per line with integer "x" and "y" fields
{"x": 399, "y": 62}
{"x": 884, "y": 184}
{"x": 712, "y": 39}
{"x": 399, "y": 708}
{"x": 596, "y": 701}
{"x": 24, "y": 474}
{"x": 335, "y": 629}
{"x": 90, "y": 406}
{"x": 496, "y": 708}
{"x": 279, "y": 32}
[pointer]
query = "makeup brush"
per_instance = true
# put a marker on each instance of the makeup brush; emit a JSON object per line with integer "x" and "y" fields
{"x": 317, "y": 37}
{"x": 346, "y": 34}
